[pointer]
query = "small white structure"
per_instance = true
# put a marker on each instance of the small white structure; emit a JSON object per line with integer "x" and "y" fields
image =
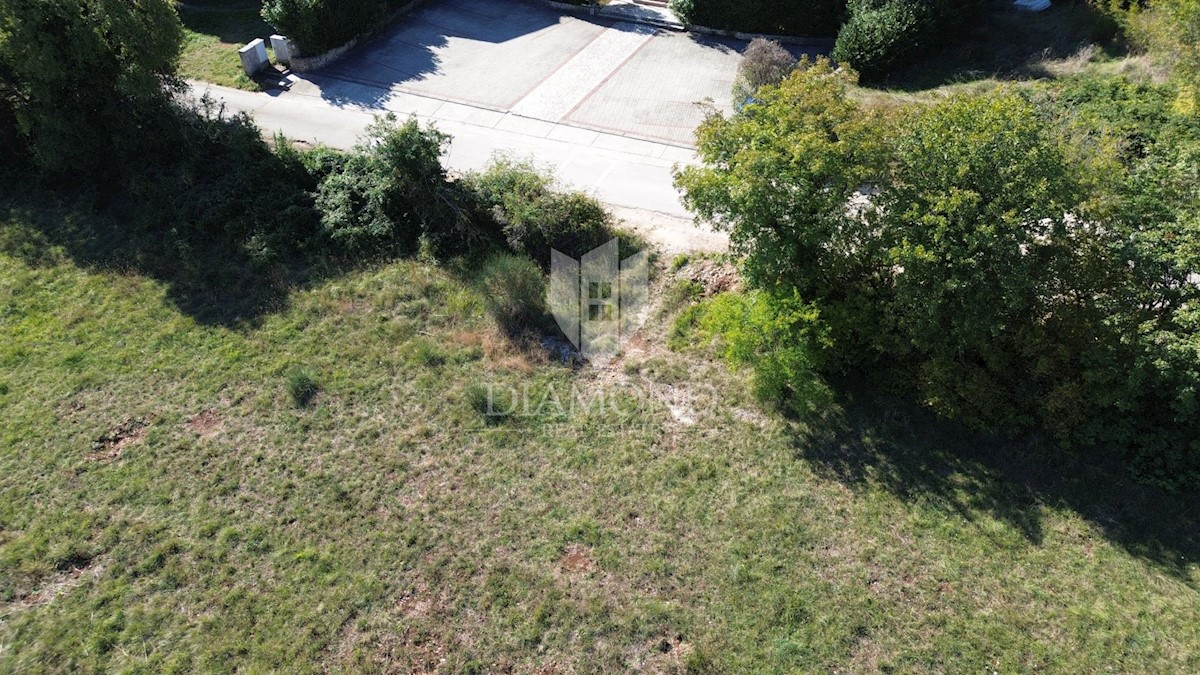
{"x": 254, "y": 57}
{"x": 1032, "y": 5}
{"x": 282, "y": 48}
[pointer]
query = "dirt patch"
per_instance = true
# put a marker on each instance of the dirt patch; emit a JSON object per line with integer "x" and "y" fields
{"x": 671, "y": 233}
{"x": 205, "y": 423}
{"x": 51, "y": 588}
{"x": 110, "y": 445}
{"x": 576, "y": 558}
{"x": 713, "y": 276}
{"x": 414, "y": 606}
{"x": 665, "y": 654}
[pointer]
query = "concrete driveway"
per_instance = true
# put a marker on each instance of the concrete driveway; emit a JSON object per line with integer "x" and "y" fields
{"x": 509, "y": 56}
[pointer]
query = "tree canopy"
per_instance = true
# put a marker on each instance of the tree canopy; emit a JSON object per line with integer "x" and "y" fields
{"x": 80, "y": 77}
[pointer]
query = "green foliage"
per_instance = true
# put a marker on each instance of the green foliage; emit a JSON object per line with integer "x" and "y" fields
{"x": 975, "y": 228}
{"x": 764, "y": 62}
{"x": 392, "y": 193}
{"x": 1022, "y": 263}
{"x": 318, "y": 26}
{"x": 796, "y": 17}
{"x": 356, "y": 205}
{"x": 232, "y": 188}
{"x": 878, "y": 39}
{"x": 779, "y": 337}
{"x": 1156, "y": 243}
{"x": 882, "y": 36}
{"x": 1171, "y": 29}
{"x": 302, "y": 387}
{"x": 514, "y": 291}
{"x": 806, "y": 133}
{"x": 535, "y": 215}
{"x": 84, "y": 78}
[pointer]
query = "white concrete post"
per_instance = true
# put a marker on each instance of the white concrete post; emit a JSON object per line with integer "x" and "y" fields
{"x": 254, "y": 57}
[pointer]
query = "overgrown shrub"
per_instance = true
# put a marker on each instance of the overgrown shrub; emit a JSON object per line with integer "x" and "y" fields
{"x": 535, "y": 215}
{"x": 359, "y": 212}
{"x": 764, "y": 62}
{"x": 791, "y": 17}
{"x": 514, "y": 290}
{"x": 393, "y": 192}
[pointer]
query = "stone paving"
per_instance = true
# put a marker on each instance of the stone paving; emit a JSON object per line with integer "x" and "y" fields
{"x": 509, "y": 56}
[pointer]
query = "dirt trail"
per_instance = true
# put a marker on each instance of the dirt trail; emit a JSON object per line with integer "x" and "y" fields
{"x": 672, "y": 234}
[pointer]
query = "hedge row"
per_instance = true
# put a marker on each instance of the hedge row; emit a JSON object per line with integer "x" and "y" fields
{"x": 792, "y": 17}
{"x": 316, "y": 26}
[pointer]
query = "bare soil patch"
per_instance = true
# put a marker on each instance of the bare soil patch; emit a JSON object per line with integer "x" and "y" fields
{"x": 205, "y": 423}
{"x": 112, "y": 443}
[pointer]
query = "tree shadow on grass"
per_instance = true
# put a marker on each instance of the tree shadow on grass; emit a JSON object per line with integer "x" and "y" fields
{"x": 871, "y": 439}
{"x": 211, "y": 280}
{"x": 230, "y": 21}
{"x": 207, "y": 207}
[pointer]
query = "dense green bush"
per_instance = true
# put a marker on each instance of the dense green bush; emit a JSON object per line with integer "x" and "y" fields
{"x": 1025, "y": 263}
{"x": 780, "y": 338}
{"x": 882, "y": 36}
{"x": 392, "y": 193}
{"x": 791, "y": 17}
{"x": 973, "y": 223}
{"x": 878, "y": 39}
{"x": 535, "y": 215}
{"x": 317, "y": 26}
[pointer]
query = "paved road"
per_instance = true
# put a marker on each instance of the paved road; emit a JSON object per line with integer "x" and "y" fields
{"x": 599, "y": 73}
{"x": 619, "y": 170}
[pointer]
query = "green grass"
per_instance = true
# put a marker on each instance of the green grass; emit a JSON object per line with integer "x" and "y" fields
{"x": 165, "y": 505}
{"x": 214, "y": 30}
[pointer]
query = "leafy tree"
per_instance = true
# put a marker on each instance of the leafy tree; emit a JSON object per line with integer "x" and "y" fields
{"x": 82, "y": 77}
{"x": 976, "y": 223}
{"x": 778, "y": 176}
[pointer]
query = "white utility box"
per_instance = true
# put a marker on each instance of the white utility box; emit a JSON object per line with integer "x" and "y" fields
{"x": 282, "y": 48}
{"x": 254, "y": 57}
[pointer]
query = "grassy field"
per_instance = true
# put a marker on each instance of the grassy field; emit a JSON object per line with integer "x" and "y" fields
{"x": 213, "y": 32}
{"x": 166, "y": 504}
